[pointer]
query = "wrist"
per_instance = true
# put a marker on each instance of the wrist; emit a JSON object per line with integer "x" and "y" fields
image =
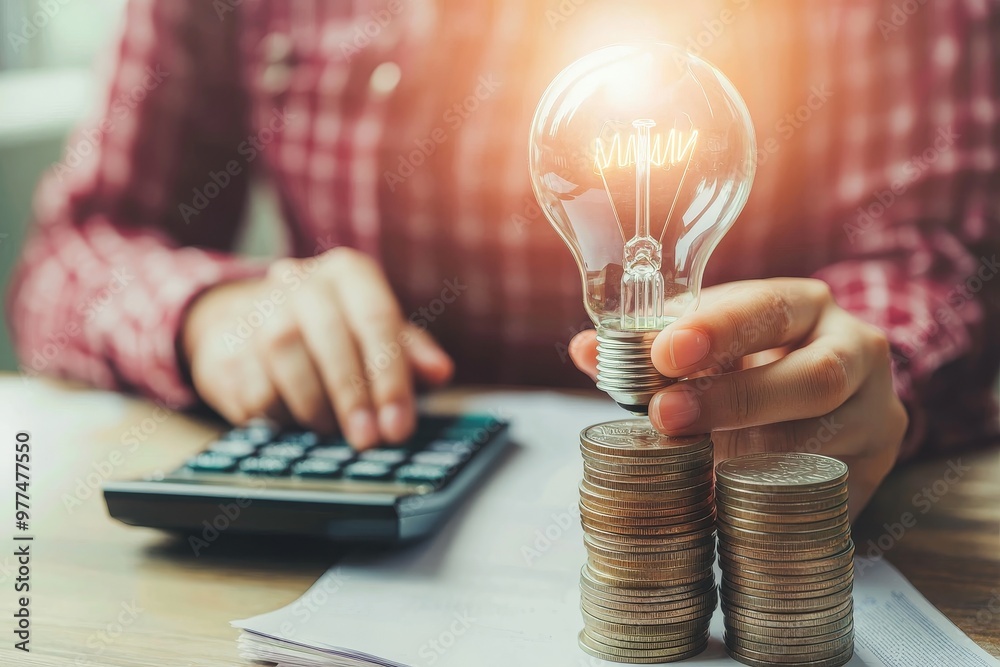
{"x": 206, "y": 310}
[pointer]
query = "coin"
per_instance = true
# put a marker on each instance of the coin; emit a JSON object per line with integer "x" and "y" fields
{"x": 641, "y": 643}
{"x": 747, "y": 601}
{"x": 793, "y": 618}
{"x": 650, "y": 541}
{"x": 648, "y": 617}
{"x": 794, "y": 644}
{"x": 648, "y": 484}
{"x": 739, "y": 516}
{"x": 706, "y": 521}
{"x": 805, "y": 633}
{"x": 767, "y": 534}
{"x": 710, "y": 597}
{"x": 698, "y": 489}
{"x": 648, "y": 513}
{"x": 780, "y": 472}
{"x": 773, "y": 501}
{"x": 637, "y": 437}
{"x": 792, "y": 510}
{"x": 651, "y": 518}
{"x": 770, "y": 526}
{"x": 640, "y": 656}
{"x": 604, "y": 498}
{"x": 782, "y": 585}
{"x": 648, "y": 466}
{"x": 757, "y": 659}
{"x": 632, "y": 629}
{"x": 800, "y": 567}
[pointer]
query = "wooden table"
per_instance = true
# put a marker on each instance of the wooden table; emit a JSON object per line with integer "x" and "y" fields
{"x": 105, "y": 594}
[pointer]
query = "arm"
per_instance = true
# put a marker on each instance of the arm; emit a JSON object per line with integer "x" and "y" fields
{"x": 925, "y": 291}
{"x": 119, "y": 246}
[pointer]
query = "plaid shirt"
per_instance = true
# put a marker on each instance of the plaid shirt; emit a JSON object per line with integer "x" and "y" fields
{"x": 399, "y": 127}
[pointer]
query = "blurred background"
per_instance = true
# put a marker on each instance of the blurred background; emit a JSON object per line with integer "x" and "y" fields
{"x": 48, "y": 84}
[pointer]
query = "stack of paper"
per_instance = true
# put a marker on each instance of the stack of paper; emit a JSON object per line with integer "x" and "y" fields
{"x": 499, "y": 585}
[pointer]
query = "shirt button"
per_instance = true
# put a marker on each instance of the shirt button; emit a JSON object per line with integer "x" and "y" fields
{"x": 277, "y": 50}
{"x": 385, "y": 78}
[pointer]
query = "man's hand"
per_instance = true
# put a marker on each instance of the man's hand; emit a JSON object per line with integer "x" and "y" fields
{"x": 776, "y": 365}
{"x": 334, "y": 349}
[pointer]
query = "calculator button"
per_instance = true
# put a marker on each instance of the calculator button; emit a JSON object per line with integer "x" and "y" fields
{"x": 212, "y": 462}
{"x": 458, "y": 446}
{"x": 264, "y": 465}
{"x": 423, "y": 473}
{"x": 448, "y": 459}
{"x": 237, "y": 448}
{"x": 384, "y": 455}
{"x": 316, "y": 468}
{"x": 368, "y": 470}
{"x": 336, "y": 453}
{"x": 285, "y": 450}
{"x": 256, "y": 434}
{"x": 304, "y": 438}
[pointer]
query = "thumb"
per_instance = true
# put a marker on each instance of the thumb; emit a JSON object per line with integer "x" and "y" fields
{"x": 583, "y": 352}
{"x": 430, "y": 363}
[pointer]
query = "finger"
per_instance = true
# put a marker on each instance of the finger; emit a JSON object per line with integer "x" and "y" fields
{"x": 751, "y": 316}
{"x": 583, "y": 352}
{"x": 336, "y": 356}
{"x": 429, "y": 361}
{"x": 838, "y": 434}
{"x": 374, "y": 318}
{"x": 257, "y": 396}
{"x": 293, "y": 373}
{"x": 808, "y": 382}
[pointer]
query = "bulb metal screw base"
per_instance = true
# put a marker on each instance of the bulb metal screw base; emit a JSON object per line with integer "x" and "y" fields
{"x": 625, "y": 368}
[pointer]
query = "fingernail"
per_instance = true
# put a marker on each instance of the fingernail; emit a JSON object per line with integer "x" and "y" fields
{"x": 674, "y": 409}
{"x": 395, "y": 421}
{"x": 687, "y": 347}
{"x": 362, "y": 430}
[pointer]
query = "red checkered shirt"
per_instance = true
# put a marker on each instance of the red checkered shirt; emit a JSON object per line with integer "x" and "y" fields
{"x": 399, "y": 127}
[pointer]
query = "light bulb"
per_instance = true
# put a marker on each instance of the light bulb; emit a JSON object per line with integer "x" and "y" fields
{"x": 642, "y": 156}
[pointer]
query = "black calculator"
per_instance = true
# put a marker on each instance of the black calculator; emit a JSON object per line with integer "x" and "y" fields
{"x": 258, "y": 479}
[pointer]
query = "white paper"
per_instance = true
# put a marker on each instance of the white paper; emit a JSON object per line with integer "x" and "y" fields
{"x": 498, "y": 586}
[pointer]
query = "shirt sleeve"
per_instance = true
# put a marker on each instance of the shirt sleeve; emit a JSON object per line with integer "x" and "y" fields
{"x": 138, "y": 216}
{"x": 924, "y": 289}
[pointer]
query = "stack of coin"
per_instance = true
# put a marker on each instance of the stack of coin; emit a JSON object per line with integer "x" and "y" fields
{"x": 786, "y": 555}
{"x": 646, "y": 503}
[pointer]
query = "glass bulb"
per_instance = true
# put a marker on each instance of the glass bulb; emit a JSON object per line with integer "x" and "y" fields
{"x": 642, "y": 156}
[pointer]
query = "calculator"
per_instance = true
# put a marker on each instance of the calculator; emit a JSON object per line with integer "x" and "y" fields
{"x": 261, "y": 480}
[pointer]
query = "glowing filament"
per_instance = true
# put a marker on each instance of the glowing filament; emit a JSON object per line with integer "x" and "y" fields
{"x": 662, "y": 152}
